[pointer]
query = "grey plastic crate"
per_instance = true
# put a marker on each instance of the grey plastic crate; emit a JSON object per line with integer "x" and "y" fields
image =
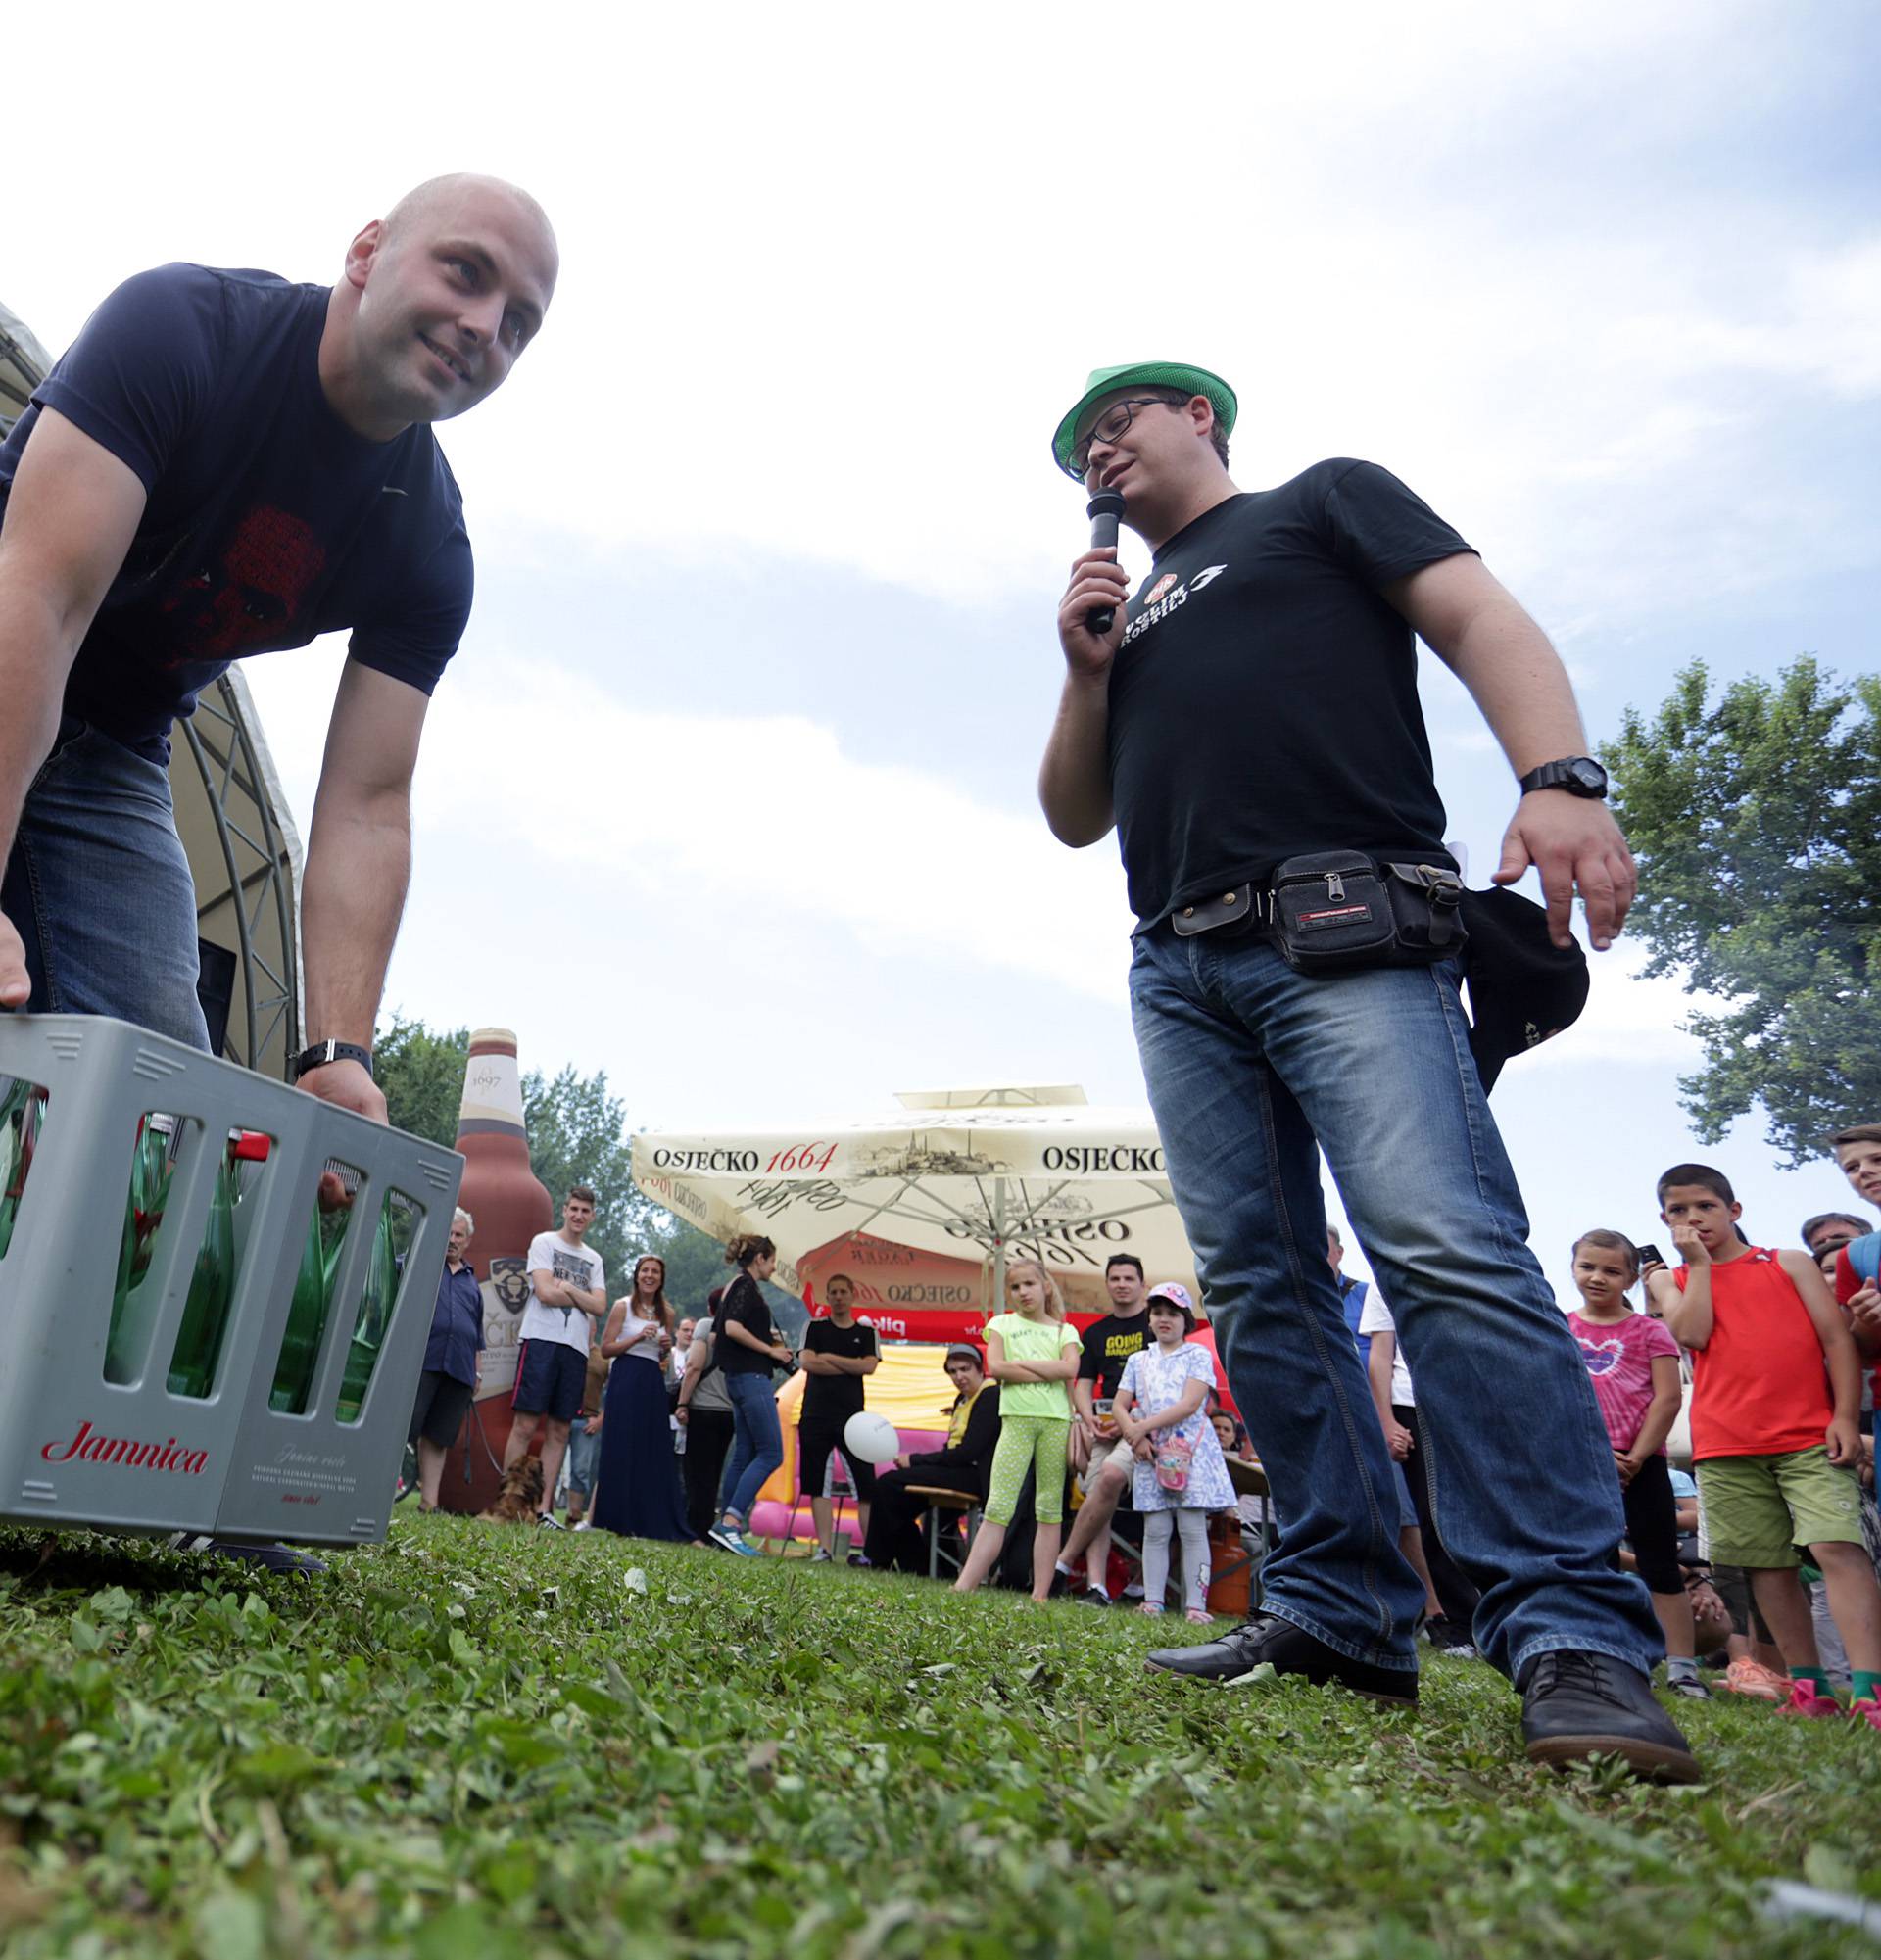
{"x": 78, "y": 1448}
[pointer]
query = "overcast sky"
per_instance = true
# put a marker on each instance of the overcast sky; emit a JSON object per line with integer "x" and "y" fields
{"x": 730, "y": 789}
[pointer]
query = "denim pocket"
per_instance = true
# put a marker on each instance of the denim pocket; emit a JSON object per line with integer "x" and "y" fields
{"x": 71, "y": 732}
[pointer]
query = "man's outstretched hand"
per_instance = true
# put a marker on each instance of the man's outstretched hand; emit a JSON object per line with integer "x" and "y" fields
{"x": 347, "y": 1086}
{"x": 15, "y": 988}
{"x": 1572, "y": 842}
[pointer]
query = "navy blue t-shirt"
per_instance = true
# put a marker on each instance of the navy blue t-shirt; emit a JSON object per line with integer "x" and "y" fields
{"x": 1265, "y": 700}
{"x": 269, "y": 520}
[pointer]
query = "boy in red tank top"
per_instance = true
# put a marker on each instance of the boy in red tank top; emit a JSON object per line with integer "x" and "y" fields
{"x": 1775, "y": 1387}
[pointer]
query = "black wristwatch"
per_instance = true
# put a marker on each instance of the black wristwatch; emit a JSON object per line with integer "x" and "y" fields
{"x": 1578, "y": 775}
{"x": 323, "y": 1052}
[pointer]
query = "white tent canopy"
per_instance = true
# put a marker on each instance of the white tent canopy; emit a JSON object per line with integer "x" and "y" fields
{"x": 982, "y": 1174}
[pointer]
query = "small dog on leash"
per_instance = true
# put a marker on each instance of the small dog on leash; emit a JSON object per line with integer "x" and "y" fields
{"x": 520, "y": 1497}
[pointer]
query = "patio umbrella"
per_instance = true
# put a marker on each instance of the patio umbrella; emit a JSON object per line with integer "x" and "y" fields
{"x": 956, "y": 1181}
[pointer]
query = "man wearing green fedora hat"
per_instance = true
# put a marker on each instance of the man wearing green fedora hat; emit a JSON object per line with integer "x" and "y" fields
{"x": 1246, "y": 714}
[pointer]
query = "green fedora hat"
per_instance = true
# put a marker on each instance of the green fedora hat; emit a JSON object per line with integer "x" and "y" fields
{"x": 1142, "y": 374}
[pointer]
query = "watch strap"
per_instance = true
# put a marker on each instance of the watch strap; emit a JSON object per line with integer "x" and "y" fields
{"x": 1565, "y": 774}
{"x": 322, "y": 1053}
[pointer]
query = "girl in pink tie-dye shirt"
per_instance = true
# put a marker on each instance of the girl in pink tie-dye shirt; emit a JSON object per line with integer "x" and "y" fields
{"x": 1632, "y": 1362}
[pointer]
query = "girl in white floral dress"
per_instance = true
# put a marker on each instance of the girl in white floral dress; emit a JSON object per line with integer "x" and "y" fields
{"x": 1159, "y": 1402}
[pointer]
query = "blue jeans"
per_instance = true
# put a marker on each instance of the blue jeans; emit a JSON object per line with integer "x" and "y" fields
{"x": 1252, "y": 1070}
{"x": 98, "y": 887}
{"x": 584, "y": 1456}
{"x": 758, "y": 1439}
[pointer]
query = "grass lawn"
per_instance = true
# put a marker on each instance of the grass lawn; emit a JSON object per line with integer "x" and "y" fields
{"x": 476, "y": 1742}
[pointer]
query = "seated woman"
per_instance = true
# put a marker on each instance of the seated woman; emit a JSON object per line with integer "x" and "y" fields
{"x": 638, "y": 1493}
{"x": 973, "y": 1432}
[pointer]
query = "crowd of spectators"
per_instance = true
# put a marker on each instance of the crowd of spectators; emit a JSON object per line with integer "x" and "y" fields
{"x": 1754, "y": 1364}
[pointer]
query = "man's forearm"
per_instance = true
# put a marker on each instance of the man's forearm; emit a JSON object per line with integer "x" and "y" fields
{"x": 34, "y": 660}
{"x": 1516, "y": 679}
{"x": 1074, "y": 779}
{"x": 358, "y": 862}
{"x": 1377, "y": 1378}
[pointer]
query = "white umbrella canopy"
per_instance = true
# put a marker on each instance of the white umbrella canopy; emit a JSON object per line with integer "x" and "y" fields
{"x": 976, "y": 1175}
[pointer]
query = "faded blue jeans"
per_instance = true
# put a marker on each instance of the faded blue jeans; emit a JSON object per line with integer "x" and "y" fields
{"x": 758, "y": 1439}
{"x": 98, "y": 887}
{"x": 1252, "y": 1069}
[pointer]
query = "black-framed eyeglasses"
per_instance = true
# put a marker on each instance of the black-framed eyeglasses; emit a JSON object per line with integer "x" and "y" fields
{"x": 1111, "y": 427}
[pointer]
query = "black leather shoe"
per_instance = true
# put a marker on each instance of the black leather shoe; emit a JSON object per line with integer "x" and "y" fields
{"x": 1576, "y": 1705}
{"x": 1288, "y": 1649}
{"x": 276, "y": 1558}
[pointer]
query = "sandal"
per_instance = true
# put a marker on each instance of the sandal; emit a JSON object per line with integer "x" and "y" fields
{"x": 1150, "y": 1609}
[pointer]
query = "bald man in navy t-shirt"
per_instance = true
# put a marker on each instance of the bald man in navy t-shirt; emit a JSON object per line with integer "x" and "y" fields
{"x": 227, "y": 464}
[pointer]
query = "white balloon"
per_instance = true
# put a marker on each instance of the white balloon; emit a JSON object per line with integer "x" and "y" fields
{"x": 872, "y": 1437}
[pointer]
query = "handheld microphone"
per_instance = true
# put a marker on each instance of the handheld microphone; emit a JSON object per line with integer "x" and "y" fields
{"x": 1105, "y": 512}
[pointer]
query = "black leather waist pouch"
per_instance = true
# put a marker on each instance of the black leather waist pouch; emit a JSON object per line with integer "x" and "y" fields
{"x": 1336, "y": 911}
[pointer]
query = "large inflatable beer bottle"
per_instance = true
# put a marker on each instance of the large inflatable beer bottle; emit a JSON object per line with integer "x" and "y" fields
{"x": 510, "y": 1205}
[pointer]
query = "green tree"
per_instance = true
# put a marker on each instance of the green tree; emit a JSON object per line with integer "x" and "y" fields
{"x": 1756, "y": 822}
{"x": 578, "y": 1135}
{"x": 422, "y": 1075}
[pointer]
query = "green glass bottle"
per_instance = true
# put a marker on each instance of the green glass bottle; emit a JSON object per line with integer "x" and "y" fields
{"x": 21, "y": 1111}
{"x": 150, "y": 1175}
{"x": 211, "y": 1287}
{"x": 305, "y": 1322}
{"x": 373, "y": 1319}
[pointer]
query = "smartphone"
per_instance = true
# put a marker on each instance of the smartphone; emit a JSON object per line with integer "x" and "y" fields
{"x": 1650, "y": 1254}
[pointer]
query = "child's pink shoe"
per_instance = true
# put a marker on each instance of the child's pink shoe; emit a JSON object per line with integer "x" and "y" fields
{"x": 1805, "y": 1699}
{"x": 1866, "y": 1711}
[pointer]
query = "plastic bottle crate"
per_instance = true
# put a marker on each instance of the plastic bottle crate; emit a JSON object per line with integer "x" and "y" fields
{"x": 91, "y": 1431}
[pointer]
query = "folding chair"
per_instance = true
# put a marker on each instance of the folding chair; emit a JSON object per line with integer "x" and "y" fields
{"x": 941, "y": 1500}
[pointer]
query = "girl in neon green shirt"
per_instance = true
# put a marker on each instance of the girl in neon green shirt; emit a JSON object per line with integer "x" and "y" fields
{"x": 1032, "y": 1352}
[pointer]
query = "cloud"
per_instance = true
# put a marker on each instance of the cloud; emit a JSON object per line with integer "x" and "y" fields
{"x": 774, "y": 820}
{"x": 1630, "y": 1017}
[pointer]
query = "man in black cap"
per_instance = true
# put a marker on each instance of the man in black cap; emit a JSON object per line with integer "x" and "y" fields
{"x": 1249, "y": 723}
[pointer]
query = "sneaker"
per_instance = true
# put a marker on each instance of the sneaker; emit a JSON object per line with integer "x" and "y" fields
{"x": 1689, "y": 1686}
{"x": 821, "y": 1556}
{"x": 1094, "y": 1596}
{"x": 548, "y": 1519}
{"x": 1867, "y": 1710}
{"x": 861, "y": 1561}
{"x": 1060, "y": 1583}
{"x": 1746, "y": 1676}
{"x": 1446, "y": 1635}
{"x": 1287, "y": 1649}
{"x": 587, "y": 1524}
{"x": 1806, "y": 1698}
{"x": 1576, "y": 1705}
{"x": 729, "y": 1538}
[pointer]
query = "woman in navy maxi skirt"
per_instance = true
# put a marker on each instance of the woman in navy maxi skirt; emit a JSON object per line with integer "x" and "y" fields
{"x": 638, "y": 1491}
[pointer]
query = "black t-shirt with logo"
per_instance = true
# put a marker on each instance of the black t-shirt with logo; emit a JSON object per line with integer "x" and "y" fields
{"x": 1265, "y": 700}
{"x": 834, "y": 1398}
{"x": 1108, "y": 1344}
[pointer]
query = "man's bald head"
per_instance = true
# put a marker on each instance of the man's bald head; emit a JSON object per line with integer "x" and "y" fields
{"x": 439, "y": 299}
{"x": 440, "y": 199}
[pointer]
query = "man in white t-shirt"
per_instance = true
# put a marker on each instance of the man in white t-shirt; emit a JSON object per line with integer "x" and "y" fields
{"x": 1397, "y": 1404}
{"x": 567, "y": 1299}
